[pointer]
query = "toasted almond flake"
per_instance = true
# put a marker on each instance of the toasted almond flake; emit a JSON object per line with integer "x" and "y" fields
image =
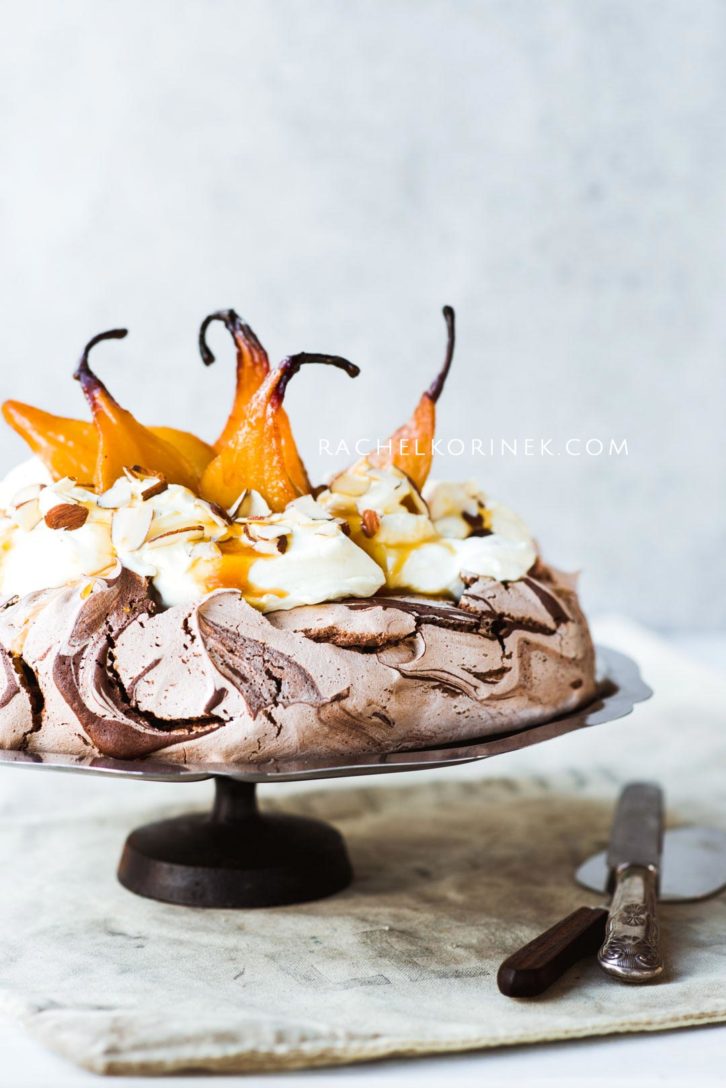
{"x": 119, "y": 494}
{"x": 338, "y": 505}
{"x": 262, "y": 530}
{"x": 223, "y": 515}
{"x": 250, "y": 504}
{"x": 205, "y": 549}
{"x": 27, "y": 515}
{"x": 371, "y": 523}
{"x": 184, "y": 532}
{"x": 157, "y": 488}
{"x": 66, "y": 515}
{"x": 328, "y": 528}
{"x": 349, "y": 484}
{"x": 31, "y": 491}
{"x": 263, "y": 545}
{"x": 130, "y": 527}
{"x": 309, "y": 508}
{"x": 266, "y": 547}
{"x": 413, "y": 503}
{"x": 138, "y": 472}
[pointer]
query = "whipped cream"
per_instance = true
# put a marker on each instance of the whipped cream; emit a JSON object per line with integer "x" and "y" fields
{"x": 182, "y": 543}
{"x": 34, "y": 556}
{"x": 425, "y": 545}
{"x": 317, "y": 561}
{"x": 371, "y": 527}
{"x": 30, "y": 471}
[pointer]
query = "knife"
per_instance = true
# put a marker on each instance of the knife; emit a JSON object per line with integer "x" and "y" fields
{"x": 631, "y": 950}
{"x": 533, "y": 968}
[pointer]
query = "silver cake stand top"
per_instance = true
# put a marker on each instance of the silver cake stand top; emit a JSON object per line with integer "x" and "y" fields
{"x": 620, "y": 687}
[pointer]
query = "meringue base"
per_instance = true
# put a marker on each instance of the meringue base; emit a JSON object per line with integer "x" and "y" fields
{"x": 97, "y": 669}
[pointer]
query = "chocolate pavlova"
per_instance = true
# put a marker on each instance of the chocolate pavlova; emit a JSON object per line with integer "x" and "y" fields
{"x": 207, "y": 603}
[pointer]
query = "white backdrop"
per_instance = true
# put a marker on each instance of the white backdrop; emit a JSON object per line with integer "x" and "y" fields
{"x": 337, "y": 171}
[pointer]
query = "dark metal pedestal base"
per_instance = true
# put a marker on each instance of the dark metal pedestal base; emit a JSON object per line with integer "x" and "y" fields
{"x": 235, "y": 856}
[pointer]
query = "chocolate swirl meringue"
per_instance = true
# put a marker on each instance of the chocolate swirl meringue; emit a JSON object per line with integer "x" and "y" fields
{"x": 96, "y": 669}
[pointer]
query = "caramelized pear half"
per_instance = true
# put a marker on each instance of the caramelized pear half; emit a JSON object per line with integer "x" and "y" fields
{"x": 257, "y": 455}
{"x": 67, "y": 447}
{"x": 411, "y": 446}
{"x": 253, "y": 366}
{"x": 123, "y": 442}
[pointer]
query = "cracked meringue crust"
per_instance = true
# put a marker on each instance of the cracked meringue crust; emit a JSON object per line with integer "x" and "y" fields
{"x": 96, "y": 669}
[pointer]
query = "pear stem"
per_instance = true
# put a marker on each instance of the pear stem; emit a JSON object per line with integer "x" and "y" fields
{"x": 291, "y": 365}
{"x": 238, "y": 329}
{"x": 437, "y": 385}
{"x": 83, "y": 373}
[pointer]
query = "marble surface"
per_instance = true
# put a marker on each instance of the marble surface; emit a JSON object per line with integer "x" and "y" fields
{"x": 554, "y": 169}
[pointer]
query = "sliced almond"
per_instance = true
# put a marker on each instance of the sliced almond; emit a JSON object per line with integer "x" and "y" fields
{"x": 66, "y": 515}
{"x": 157, "y": 488}
{"x": 269, "y": 547}
{"x": 138, "y": 472}
{"x": 119, "y": 494}
{"x": 31, "y": 491}
{"x": 130, "y": 527}
{"x": 413, "y": 503}
{"x": 205, "y": 549}
{"x": 347, "y": 483}
{"x": 141, "y": 474}
{"x": 370, "y": 523}
{"x": 309, "y": 508}
{"x": 262, "y": 530}
{"x": 337, "y": 505}
{"x": 27, "y": 515}
{"x": 250, "y": 504}
{"x": 329, "y": 528}
{"x": 218, "y": 511}
{"x": 265, "y": 544}
{"x": 184, "y": 532}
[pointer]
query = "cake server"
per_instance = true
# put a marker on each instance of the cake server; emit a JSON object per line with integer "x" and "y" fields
{"x": 693, "y": 866}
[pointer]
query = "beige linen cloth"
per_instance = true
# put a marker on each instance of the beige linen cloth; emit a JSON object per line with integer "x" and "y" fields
{"x": 452, "y": 874}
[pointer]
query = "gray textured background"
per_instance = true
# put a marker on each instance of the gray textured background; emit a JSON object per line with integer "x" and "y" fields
{"x": 337, "y": 171}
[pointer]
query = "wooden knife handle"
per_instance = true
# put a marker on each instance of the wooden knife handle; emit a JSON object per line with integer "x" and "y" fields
{"x": 541, "y": 962}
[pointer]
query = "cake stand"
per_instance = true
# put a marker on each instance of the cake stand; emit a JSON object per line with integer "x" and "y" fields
{"x": 237, "y": 856}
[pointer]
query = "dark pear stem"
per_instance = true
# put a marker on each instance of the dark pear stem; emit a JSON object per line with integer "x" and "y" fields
{"x": 83, "y": 372}
{"x": 236, "y": 326}
{"x": 291, "y": 365}
{"x": 434, "y": 390}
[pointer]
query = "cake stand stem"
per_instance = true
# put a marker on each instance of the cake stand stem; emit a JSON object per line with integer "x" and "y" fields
{"x": 235, "y": 855}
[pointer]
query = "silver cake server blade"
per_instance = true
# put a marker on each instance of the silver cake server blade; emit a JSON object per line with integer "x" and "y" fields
{"x": 693, "y": 866}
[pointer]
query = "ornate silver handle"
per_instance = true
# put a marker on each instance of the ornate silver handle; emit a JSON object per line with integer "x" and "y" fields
{"x": 631, "y": 950}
